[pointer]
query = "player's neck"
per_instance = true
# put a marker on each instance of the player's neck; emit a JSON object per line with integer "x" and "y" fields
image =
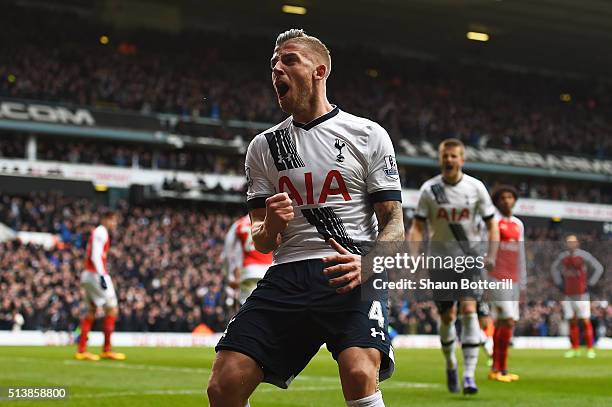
{"x": 313, "y": 111}
{"x": 453, "y": 180}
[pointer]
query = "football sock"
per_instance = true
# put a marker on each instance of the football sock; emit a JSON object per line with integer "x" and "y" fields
{"x": 574, "y": 334}
{"x": 86, "y": 324}
{"x": 588, "y": 333}
{"x": 505, "y": 335}
{"x": 375, "y": 400}
{"x": 496, "y": 349}
{"x": 470, "y": 343}
{"x": 487, "y": 342}
{"x": 109, "y": 327}
{"x": 448, "y": 336}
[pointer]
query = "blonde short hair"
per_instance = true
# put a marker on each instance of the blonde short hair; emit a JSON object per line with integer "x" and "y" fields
{"x": 451, "y": 142}
{"x": 313, "y": 43}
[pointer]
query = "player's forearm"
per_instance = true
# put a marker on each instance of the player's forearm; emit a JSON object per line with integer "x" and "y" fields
{"x": 393, "y": 231}
{"x": 556, "y": 272}
{"x": 493, "y": 233}
{"x": 390, "y": 222}
{"x": 237, "y": 273}
{"x": 597, "y": 271}
{"x": 264, "y": 241}
{"x": 415, "y": 238}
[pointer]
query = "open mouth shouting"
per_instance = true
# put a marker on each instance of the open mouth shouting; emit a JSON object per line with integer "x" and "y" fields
{"x": 281, "y": 89}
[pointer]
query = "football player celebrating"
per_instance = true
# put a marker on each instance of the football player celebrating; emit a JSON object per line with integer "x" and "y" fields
{"x": 320, "y": 184}
{"x": 452, "y": 205}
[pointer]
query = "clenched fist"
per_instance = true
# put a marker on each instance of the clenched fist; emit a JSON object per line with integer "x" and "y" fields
{"x": 279, "y": 211}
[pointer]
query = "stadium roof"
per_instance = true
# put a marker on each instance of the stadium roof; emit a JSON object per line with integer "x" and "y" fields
{"x": 558, "y": 35}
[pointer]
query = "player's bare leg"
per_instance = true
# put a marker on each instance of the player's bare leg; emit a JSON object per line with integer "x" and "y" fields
{"x": 108, "y": 328}
{"x": 470, "y": 344}
{"x": 234, "y": 378}
{"x": 358, "y": 369}
{"x": 86, "y": 324}
{"x": 448, "y": 339}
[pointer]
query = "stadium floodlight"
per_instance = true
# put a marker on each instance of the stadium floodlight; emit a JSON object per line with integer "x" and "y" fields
{"x": 289, "y": 9}
{"x": 477, "y": 36}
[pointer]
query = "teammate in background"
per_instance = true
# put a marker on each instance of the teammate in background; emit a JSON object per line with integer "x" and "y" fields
{"x": 510, "y": 264}
{"x": 246, "y": 266}
{"x": 319, "y": 184}
{"x": 452, "y": 205}
{"x": 99, "y": 290}
{"x": 570, "y": 274}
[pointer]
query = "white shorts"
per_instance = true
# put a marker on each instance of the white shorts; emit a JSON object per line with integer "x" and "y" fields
{"x": 578, "y": 306}
{"x": 246, "y": 288}
{"x": 254, "y": 271}
{"x": 249, "y": 277}
{"x": 94, "y": 294}
{"x": 507, "y": 309}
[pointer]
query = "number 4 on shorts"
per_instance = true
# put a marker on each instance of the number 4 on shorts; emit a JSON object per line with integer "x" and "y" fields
{"x": 377, "y": 314}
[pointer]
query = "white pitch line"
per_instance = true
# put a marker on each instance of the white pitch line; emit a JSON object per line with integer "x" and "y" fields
{"x": 121, "y": 365}
{"x": 140, "y": 393}
{"x": 263, "y": 390}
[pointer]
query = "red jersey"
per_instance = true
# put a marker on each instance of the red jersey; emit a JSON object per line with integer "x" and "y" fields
{"x": 249, "y": 254}
{"x": 97, "y": 251}
{"x": 510, "y": 261}
{"x": 571, "y": 269}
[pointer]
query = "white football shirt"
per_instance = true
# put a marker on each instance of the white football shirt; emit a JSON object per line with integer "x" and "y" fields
{"x": 454, "y": 212}
{"x": 333, "y": 168}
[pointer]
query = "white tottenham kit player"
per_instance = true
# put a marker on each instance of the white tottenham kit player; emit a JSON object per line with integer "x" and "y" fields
{"x": 510, "y": 264}
{"x": 99, "y": 290}
{"x": 321, "y": 184}
{"x": 246, "y": 266}
{"x": 570, "y": 272}
{"x": 453, "y": 205}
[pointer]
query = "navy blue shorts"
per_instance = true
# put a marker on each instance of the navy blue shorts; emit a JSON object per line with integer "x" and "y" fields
{"x": 294, "y": 311}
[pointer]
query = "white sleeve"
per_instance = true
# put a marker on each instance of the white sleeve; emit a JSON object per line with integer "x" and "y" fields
{"x": 97, "y": 249}
{"x": 232, "y": 250}
{"x": 595, "y": 265}
{"x": 522, "y": 256}
{"x": 259, "y": 185}
{"x": 383, "y": 181}
{"x": 485, "y": 204}
{"x": 423, "y": 205}
{"x": 555, "y": 270}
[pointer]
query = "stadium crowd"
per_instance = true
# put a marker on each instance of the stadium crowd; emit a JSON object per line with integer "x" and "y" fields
{"x": 166, "y": 265}
{"x": 207, "y": 161}
{"x": 150, "y": 71}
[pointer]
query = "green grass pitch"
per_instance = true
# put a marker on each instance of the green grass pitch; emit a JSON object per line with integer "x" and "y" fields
{"x": 177, "y": 377}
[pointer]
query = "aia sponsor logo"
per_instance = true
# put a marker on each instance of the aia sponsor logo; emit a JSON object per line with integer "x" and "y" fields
{"x": 333, "y": 185}
{"x": 453, "y": 214}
